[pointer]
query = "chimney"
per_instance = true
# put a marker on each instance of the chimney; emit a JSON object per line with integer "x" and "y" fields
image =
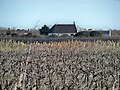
{"x": 74, "y": 22}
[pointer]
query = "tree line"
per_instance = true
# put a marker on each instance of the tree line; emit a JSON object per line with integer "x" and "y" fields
{"x": 44, "y": 30}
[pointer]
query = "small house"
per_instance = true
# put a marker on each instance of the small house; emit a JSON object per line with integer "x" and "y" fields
{"x": 105, "y": 33}
{"x": 63, "y": 29}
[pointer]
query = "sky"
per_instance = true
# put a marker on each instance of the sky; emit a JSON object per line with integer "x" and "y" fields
{"x": 95, "y": 14}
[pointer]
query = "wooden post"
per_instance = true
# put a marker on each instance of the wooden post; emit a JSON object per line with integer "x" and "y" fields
{"x": 101, "y": 85}
{"x": 0, "y": 86}
{"x": 119, "y": 82}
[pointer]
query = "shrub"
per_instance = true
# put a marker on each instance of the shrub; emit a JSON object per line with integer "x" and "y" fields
{"x": 14, "y": 35}
{"x": 8, "y": 32}
{"x": 29, "y": 35}
{"x": 83, "y": 34}
{"x": 95, "y": 34}
{"x": 44, "y": 30}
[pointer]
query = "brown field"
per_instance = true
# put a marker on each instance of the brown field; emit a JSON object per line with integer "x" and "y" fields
{"x": 71, "y": 65}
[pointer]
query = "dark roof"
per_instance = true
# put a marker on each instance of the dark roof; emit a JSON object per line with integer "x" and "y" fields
{"x": 63, "y": 28}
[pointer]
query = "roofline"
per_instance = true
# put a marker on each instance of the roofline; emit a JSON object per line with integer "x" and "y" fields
{"x": 64, "y": 25}
{"x": 75, "y": 27}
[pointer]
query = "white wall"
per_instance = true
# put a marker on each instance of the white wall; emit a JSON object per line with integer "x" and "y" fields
{"x": 60, "y": 34}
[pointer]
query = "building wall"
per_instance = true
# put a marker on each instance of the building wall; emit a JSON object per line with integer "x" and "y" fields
{"x": 105, "y": 33}
{"x": 115, "y": 33}
{"x": 60, "y": 34}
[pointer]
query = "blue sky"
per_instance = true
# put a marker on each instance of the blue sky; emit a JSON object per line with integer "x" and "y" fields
{"x": 96, "y": 14}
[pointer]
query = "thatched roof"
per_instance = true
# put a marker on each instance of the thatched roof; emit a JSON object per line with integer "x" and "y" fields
{"x": 63, "y": 28}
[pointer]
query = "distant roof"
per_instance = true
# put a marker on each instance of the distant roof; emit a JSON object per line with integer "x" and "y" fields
{"x": 63, "y": 28}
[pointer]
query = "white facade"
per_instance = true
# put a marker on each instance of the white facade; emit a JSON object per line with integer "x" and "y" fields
{"x": 60, "y": 34}
{"x": 110, "y": 33}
